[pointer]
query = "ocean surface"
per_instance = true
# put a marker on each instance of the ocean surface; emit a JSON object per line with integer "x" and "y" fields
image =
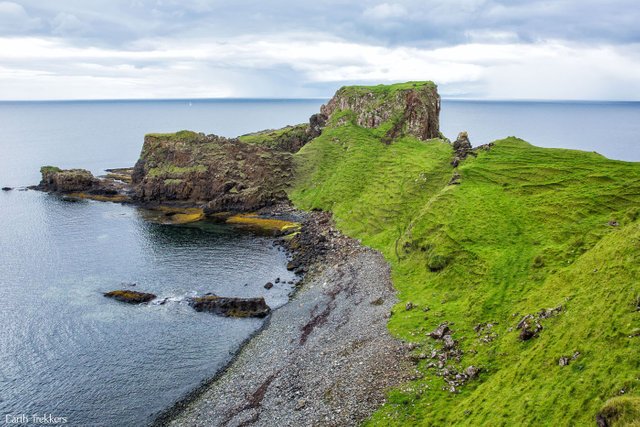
{"x": 67, "y": 351}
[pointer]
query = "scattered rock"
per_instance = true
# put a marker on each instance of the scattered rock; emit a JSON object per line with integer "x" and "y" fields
{"x": 300, "y": 404}
{"x": 408, "y": 306}
{"x": 131, "y": 297}
{"x": 440, "y": 331}
{"x": 472, "y": 371}
{"x": 563, "y": 361}
{"x": 231, "y": 307}
{"x": 377, "y": 301}
{"x": 545, "y": 313}
{"x": 268, "y": 285}
{"x": 529, "y": 327}
{"x": 455, "y": 178}
{"x": 614, "y": 223}
{"x": 448, "y": 341}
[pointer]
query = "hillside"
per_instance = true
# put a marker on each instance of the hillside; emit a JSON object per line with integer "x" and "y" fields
{"x": 526, "y": 229}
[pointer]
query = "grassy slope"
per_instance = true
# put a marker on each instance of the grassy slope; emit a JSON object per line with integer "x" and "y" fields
{"x": 527, "y": 229}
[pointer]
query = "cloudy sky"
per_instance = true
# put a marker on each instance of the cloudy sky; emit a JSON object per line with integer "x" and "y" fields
{"x": 499, "y": 49}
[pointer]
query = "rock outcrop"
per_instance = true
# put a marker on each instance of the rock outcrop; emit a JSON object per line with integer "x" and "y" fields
{"x": 81, "y": 183}
{"x": 130, "y": 297}
{"x": 231, "y": 307}
{"x": 66, "y": 181}
{"x": 218, "y": 173}
{"x": 409, "y": 108}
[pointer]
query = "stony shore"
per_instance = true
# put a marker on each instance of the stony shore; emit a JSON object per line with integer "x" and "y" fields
{"x": 325, "y": 358}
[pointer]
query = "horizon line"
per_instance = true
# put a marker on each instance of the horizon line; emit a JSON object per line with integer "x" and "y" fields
{"x": 444, "y": 98}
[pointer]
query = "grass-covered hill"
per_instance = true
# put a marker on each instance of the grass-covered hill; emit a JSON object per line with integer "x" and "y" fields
{"x": 549, "y": 232}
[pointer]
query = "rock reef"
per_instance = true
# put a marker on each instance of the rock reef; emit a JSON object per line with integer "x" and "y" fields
{"x": 231, "y": 307}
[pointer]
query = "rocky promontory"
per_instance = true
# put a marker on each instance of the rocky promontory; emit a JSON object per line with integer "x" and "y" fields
{"x": 413, "y": 108}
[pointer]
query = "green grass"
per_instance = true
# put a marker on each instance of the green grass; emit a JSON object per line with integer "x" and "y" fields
{"x": 383, "y": 89}
{"x": 277, "y": 138}
{"x": 527, "y": 229}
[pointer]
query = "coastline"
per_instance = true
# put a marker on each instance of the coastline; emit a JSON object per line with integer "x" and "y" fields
{"x": 324, "y": 358}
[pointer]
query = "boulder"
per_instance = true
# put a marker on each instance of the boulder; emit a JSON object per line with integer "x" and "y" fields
{"x": 130, "y": 297}
{"x": 231, "y": 307}
{"x": 440, "y": 331}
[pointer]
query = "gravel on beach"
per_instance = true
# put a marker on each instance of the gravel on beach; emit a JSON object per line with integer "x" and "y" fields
{"x": 325, "y": 359}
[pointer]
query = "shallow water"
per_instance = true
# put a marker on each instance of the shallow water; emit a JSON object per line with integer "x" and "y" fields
{"x": 68, "y": 351}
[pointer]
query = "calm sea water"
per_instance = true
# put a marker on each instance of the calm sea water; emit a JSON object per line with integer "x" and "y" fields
{"x": 66, "y": 350}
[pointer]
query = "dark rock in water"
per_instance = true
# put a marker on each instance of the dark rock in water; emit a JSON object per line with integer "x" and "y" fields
{"x": 268, "y": 285}
{"x": 131, "y": 297}
{"x": 7, "y": 188}
{"x": 80, "y": 183}
{"x": 277, "y": 280}
{"x": 231, "y": 307}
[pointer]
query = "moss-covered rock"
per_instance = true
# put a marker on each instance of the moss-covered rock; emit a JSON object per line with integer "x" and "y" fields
{"x": 130, "y": 297}
{"x": 219, "y": 173}
{"x": 66, "y": 181}
{"x": 621, "y": 411}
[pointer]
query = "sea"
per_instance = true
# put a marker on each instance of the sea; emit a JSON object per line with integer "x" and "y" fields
{"x": 68, "y": 352}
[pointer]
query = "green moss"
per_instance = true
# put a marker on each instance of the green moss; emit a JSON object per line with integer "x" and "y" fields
{"x": 49, "y": 169}
{"x": 386, "y": 89}
{"x": 527, "y": 229}
{"x": 622, "y": 411}
{"x": 183, "y": 135}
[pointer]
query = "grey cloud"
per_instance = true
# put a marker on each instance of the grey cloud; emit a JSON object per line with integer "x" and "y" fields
{"x": 411, "y": 22}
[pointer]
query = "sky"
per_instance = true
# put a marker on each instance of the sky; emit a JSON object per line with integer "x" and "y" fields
{"x": 478, "y": 49}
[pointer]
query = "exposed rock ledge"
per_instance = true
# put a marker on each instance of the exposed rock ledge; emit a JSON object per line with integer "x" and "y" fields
{"x": 325, "y": 358}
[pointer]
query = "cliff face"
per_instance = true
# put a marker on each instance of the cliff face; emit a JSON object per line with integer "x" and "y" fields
{"x": 254, "y": 170}
{"x": 222, "y": 174}
{"x": 407, "y": 109}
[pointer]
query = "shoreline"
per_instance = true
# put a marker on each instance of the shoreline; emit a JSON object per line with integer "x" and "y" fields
{"x": 347, "y": 294}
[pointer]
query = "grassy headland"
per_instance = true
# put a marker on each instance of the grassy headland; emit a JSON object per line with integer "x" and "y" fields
{"x": 527, "y": 229}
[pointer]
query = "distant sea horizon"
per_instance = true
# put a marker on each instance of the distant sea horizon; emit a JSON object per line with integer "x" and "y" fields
{"x": 314, "y": 98}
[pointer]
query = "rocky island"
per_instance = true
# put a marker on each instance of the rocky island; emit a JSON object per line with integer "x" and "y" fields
{"x": 445, "y": 284}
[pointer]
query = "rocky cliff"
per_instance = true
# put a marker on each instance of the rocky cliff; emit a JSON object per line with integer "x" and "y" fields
{"x": 411, "y": 108}
{"x": 220, "y": 173}
{"x": 253, "y": 170}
